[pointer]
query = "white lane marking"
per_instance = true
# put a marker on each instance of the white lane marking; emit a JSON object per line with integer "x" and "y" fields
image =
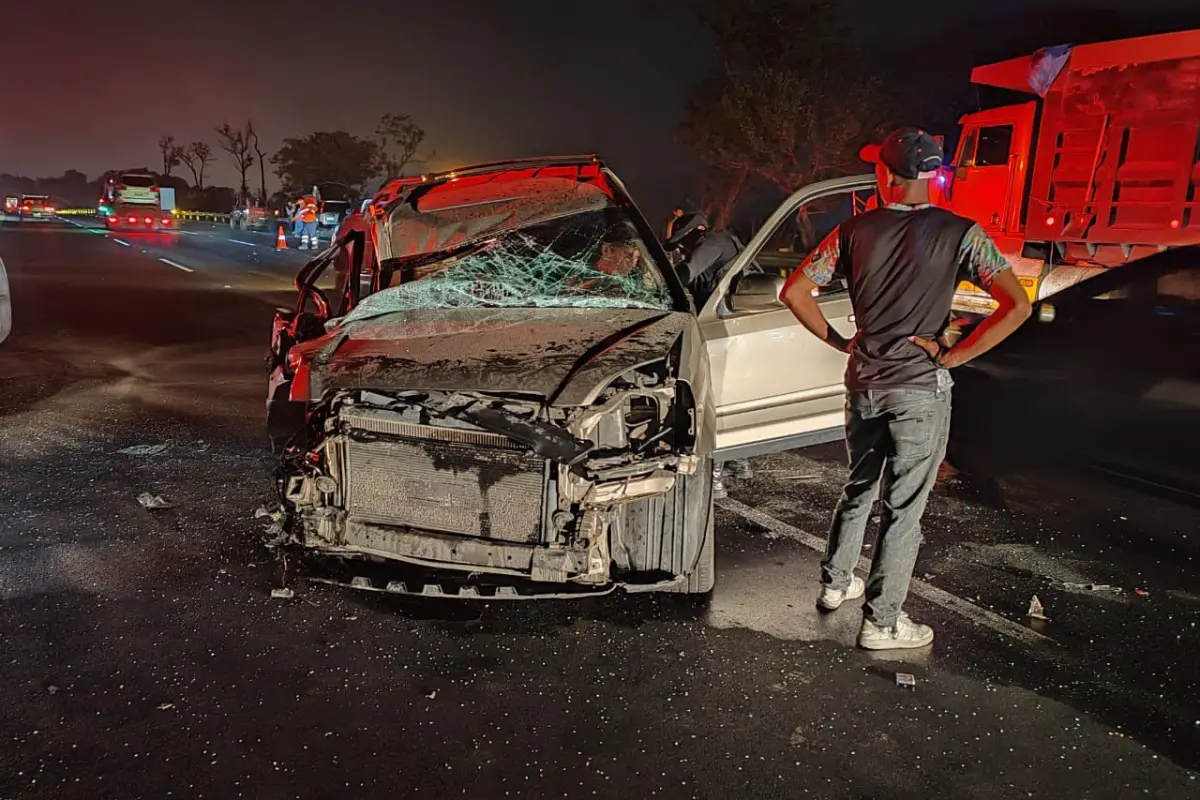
{"x": 171, "y": 263}
{"x": 917, "y": 586}
{"x": 87, "y": 228}
{"x": 248, "y": 244}
{"x": 121, "y": 242}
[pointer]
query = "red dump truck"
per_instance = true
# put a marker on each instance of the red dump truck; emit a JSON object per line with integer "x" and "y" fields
{"x": 1102, "y": 168}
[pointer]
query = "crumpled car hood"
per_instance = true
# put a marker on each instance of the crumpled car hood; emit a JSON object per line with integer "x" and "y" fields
{"x": 561, "y": 354}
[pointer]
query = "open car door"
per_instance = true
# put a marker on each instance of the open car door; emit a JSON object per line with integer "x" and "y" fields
{"x": 775, "y": 386}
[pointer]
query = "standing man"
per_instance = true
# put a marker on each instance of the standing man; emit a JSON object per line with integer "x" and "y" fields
{"x": 902, "y": 263}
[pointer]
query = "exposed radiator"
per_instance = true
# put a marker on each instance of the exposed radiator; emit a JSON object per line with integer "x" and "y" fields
{"x": 443, "y": 479}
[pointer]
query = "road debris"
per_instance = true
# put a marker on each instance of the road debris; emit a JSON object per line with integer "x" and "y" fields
{"x": 152, "y": 501}
{"x": 1036, "y": 609}
{"x": 52, "y": 689}
{"x": 1090, "y": 587}
{"x": 906, "y": 679}
{"x": 143, "y": 450}
{"x": 275, "y": 526}
{"x": 165, "y": 706}
{"x": 432, "y": 694}
{"x": 1141, "y": 592}
{"x": 283, "y": 593}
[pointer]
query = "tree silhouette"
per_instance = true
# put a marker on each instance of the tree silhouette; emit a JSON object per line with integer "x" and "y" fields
{"x": 237, "y": 144}
{"x": 262, "y": 160}
{"x": 335, "y": 157}
{"x": 171, "y": 154}
{"x": 196, "y": 157}
{"x": 399, "y": 140}
{"x": 792, "y": 100}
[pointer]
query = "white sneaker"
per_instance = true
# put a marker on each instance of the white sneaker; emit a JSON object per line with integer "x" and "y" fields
{"x": 903, "y": 635}
{"x": 831, "y": 599}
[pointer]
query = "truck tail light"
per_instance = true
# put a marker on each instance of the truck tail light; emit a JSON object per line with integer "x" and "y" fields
{"x": 133, "y": 220}
{"x": 149, "y": 220}
{"x": 166, "y": 221}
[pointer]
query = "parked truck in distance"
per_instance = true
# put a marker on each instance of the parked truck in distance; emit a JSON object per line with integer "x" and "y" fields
{"x": 159, "y": 216}
{"x": 1103, "y": 168}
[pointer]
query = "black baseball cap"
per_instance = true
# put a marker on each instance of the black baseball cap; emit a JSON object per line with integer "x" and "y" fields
{"x": 908, "y": 152}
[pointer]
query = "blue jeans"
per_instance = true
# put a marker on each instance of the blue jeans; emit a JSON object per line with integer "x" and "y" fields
{"x": 896, "y": 439}
{"x": 297, "y": 227}
{"x": 309, "y": 229}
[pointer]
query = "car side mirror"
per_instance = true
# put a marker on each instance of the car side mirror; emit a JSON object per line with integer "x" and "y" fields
{"x": 1046, "y": 312}
{"x": 5, "y": 305}
{"x": 757, "y": 293}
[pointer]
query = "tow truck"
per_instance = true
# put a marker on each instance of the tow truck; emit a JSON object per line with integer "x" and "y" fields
{"x": 1100, "y": 169}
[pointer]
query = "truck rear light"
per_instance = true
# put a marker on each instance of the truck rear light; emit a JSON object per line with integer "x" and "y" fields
{"x": 133, "y": 220}
{"x": 1049, "y": 220}
{"x": 112, "y": 220}
{"x": 1174, "y": 223}
{"x": 149, "y": 220}
{"x": 166, "y": 221}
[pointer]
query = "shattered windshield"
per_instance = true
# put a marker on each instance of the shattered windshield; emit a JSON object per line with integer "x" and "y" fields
{"x": 590, "y": 259}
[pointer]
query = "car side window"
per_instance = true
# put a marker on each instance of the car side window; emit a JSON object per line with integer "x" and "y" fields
{"x": 995, "y": 144}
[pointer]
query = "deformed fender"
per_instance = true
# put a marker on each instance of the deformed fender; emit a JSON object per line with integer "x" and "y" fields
{"x": 695, "y": 372}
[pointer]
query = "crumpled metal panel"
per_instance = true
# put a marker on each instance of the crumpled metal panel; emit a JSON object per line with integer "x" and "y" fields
{"x": 446, "y": 486}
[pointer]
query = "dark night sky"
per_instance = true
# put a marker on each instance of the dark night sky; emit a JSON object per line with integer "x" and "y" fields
{"x": 486, "y": 78}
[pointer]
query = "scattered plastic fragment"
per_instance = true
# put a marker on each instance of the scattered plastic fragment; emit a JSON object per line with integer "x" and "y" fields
{"x": 166, "y": 706}
{"x": 153, "y": 501}
{"x": 1092, "y": 587}
{"x": 432, "y": 694}
{"x": 282, "y": 594}
{"x": 1036, "y": 609}
{"x": 52, "y": 689}
{"x": 906, "y": 679}
{"x": 275, "y": 528}
{"x": 144, "y": 450}
{"x": 1141, "y": 592}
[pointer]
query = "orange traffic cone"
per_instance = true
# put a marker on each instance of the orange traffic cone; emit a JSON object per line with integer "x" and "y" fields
{"x": 281, "y": 240}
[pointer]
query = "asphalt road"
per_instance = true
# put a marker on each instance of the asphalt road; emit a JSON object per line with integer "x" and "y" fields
{"x": 143, "y": 656}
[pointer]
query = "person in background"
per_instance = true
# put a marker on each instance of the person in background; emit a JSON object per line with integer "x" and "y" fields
{"x": 307, "y": 211}
{"x": 902, "y": 262}
{"x": 676, "y": 213}
{"x": 293, "y": 212}
{"x": 704, "y": 257}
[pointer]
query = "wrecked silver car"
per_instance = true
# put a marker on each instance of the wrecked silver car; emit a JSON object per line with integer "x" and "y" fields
{"x": 493, "y": 374}
{"x": 508, "y": 383}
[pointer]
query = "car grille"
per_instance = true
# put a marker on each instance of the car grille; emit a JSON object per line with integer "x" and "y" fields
{"x": 448, "y": 480}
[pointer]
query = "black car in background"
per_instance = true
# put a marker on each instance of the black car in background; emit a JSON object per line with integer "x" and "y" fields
{"x": 1106, "y": 376}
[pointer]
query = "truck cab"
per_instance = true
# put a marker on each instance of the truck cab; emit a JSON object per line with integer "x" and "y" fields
{"x": 1100, "y": 169}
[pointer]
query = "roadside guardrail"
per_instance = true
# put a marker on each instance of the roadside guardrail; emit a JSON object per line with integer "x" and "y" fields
{"x": 200, "y": 216}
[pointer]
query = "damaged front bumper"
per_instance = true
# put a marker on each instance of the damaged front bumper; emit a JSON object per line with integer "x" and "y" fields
{"x": 495, "y": 488}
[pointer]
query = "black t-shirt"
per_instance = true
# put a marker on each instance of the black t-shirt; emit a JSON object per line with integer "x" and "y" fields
{"x": 902, "y": 265}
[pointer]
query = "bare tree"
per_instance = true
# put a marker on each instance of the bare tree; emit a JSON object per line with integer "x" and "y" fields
{"x": 262, "y": 160}
{"x": 170, "y": 154}
{"x": 399, "y": 140}
{"x": 196, "y": 157}
{"x": 237, "y": 144}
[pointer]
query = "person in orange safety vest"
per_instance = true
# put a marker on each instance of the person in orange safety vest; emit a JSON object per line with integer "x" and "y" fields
{"x": 306, "y": 212}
